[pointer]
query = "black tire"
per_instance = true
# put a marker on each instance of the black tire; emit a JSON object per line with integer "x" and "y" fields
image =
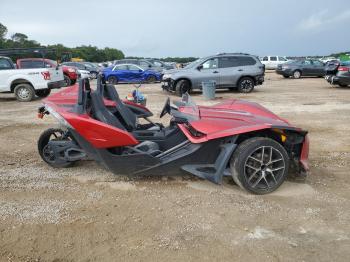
{"x": 151, "y": 79}
{"x": 182, "y": 87}
{"x": 245, "y": 85}
{"x": 254, "y": 171}
{"x": 296, "y": 74}
{"x": 44, "y": 151}
{"x": 286, "y": 76}
{"x": 24, "y": 92}
{"x": 67, "y": 81}
{"x": 93, "y": 75}
{"x": 343, "y": 85}
{"x": 43, "y": 92}
{"x": 73, "y": 81}
{"x": 112, "y": 80}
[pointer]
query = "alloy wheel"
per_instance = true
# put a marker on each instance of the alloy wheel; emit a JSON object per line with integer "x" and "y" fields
{"x": 264, "y": 168}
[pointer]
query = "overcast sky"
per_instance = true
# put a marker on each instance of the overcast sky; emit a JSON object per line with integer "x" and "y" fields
{"x": 160, "y": 28}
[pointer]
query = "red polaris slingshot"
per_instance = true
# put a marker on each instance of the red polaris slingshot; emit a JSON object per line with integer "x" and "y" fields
{"x": 236, "y": 138}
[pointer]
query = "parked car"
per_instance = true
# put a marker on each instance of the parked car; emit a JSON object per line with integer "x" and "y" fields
{"x": 161, "y": 64}
{"x": 70, "y": 74}
{"x": 94, "y": 71}
{"x": 129, "y": 73}
{"x": 233, "y": 71}
{"x": 327, "y": 59}
{"x": 271, "y": 62}
{"x": 341, "y": 75}
{"x": 26, "y": 83}
{"x": 300, "y": 68}
{"x": 143, "y": 63}
{"x": 331, "y": 67}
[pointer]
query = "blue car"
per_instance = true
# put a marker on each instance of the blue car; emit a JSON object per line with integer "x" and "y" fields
{"x": 128, "y": 73}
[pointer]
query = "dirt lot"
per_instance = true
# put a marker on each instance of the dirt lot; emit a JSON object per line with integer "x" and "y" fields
{"x": 86, "y": 214}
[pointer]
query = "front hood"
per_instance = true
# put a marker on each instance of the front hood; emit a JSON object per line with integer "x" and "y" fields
{"x": 233, "y": 117}
{"x": 175, "y": 71}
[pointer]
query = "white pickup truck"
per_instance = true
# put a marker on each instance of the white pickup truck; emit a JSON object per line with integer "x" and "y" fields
{"x": 26, "y": 83}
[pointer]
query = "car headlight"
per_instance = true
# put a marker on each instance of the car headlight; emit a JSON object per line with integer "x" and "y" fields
{"x": 166, "y": 76}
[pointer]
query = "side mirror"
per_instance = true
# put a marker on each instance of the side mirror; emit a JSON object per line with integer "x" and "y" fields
{"x": 200, "y": 67}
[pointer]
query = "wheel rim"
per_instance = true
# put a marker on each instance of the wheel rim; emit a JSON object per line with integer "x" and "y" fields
{"x": 264, "y": 168}
{"x": 112, "y": 80}
{"x": 296, "y": 74}
{"x": 151, "y": 79}
{"x": 47, "y": 152}
{"x": 246, "y": 85}
{"x": 23, "y": 93}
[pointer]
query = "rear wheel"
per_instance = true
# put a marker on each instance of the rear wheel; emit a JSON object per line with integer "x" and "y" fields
{"x": 296, "y": 74}
{"x": 182, "y": 87}
{"x": 259, "y": 165}
{"x": 112, "y": 80}
{"x": 43, "y": 92}
{"x": 151, "y": 79}
{"x": 246, "y": 85}
{"x": 24, "y": 92}
{"x": 47, "y": 153}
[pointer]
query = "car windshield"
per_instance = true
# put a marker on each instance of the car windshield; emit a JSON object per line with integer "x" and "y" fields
{"x": 194, "y": 63}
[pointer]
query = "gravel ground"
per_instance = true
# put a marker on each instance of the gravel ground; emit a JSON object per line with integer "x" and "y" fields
{"x": 86, "y": 213}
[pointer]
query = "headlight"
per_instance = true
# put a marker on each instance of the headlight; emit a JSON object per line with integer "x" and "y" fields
{"x": 59, "y": 118}
{"x": 166, "y": 76}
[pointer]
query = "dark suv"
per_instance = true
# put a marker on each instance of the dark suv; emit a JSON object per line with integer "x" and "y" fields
{"x": 233, "y": 71}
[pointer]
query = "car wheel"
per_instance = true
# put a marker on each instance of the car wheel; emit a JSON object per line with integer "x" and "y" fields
{"x": 67, "y": 81}
{"x": 24, "y": 92}
{"x": 43, "y": 92}
{"x": 151, "y": 79}
{"x": 182, "y": 87}
{"x": 47, "y": 153}
{"x": 259, "y": 165}
{"x": 93, "y": 75}
{"x": 246, "y": 85}
{"x": 296, "y": 74}
{"x": 286, "y": 76}
{"x": 343, "y": 85}
{"x": 73, "y": 81}
{"x": 112, "y": 80}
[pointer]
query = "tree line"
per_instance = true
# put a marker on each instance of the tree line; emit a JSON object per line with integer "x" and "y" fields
{"x": 86, "y": 52}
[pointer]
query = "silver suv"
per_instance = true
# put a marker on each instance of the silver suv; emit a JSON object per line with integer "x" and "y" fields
{"x": 233, "y": 71}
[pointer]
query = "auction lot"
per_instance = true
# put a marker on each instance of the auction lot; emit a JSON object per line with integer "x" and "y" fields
{"x": 86, "y": 213}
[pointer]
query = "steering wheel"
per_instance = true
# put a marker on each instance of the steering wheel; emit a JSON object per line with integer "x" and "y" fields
{"x": 166, "y": 109}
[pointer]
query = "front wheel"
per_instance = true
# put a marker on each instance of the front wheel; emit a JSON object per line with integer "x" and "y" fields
{"x": 67, "y": 81}
{"x": 47, "y": 153}
{"x": 43, "y": 92}
{"x": 259, "y": 165}
{"x": 246, "y": 85}
{"x": 151, "y": 79}
{"x": 182, "y": 87}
